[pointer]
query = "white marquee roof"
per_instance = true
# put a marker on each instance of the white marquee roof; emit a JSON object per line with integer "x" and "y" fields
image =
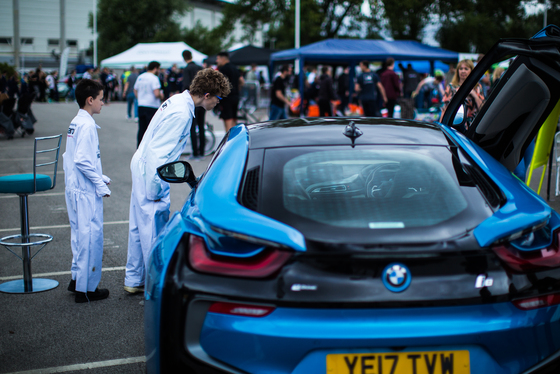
{"x": 141, "y": 54}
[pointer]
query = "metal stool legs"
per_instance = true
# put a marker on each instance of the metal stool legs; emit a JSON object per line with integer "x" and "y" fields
{"x": 27, "y": 284}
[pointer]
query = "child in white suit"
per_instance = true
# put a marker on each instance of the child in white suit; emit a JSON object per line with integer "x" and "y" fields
{"x": 85, "y": 188}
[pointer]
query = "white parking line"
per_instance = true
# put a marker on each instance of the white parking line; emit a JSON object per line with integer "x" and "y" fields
{"x": 90, "y": 365}
{"x": 60, "y": 226}
{"x": 19, "y": 147}
{"x": 22, "y": 159}
{"x": 40, "y": 275}
{"x": 37, "y": 194}
{"x": 58, "y": 172}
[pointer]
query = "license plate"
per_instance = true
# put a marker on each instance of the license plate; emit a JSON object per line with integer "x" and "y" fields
{"x": 435, "y": 362}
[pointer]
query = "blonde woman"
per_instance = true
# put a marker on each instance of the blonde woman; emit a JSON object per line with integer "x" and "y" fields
{"x": 476, "y": 97}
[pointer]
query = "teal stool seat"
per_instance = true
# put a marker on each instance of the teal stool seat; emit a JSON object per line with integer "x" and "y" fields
{"x": 23, "y": 183}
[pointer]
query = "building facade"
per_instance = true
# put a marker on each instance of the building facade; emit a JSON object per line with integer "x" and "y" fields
{"x": 40, "y": 29}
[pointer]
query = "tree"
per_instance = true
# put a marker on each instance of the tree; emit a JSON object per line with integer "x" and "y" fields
{"x": 404, "y": 19}
{"x": 207, "y": 41}
{"x": 474, "y": 26}
{"x": 122, "y": 24}
{"x": 320, "y": 19}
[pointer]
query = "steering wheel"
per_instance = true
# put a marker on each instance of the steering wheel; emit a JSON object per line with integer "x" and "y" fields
{"x": 380, "y": 183}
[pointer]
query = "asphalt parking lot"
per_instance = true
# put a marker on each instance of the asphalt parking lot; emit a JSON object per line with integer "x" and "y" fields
{"x": 48, "y": 332}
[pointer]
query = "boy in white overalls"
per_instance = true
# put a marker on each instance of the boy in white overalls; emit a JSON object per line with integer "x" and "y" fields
{"x": 85, "y": 188}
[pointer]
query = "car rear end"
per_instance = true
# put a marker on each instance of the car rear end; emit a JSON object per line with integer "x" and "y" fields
{"x": 392, "y": 279}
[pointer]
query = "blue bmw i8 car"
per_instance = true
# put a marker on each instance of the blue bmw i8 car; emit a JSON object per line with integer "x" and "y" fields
{"x": 368, "y": 245}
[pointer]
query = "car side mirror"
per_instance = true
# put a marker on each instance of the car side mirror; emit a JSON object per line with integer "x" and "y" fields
{"x": 177, "y": 172}
{"x": 459, "y": 118}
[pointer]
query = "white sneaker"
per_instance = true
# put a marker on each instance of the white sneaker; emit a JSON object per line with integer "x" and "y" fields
{"x": 133, "y": 290}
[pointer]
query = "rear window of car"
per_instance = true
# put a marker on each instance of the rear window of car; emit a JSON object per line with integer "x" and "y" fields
{"x": 367, "y": 189}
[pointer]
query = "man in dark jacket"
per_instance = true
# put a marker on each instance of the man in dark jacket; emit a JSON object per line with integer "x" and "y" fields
{"x": 278, "y": 99}
{"x": 326, "y": 92}
{"x": 367, "y": 85}
{"x": 343, "y": 90}
{"x": 230, "y": 103}
{"x": 411, "y": 78}
{"x": 198, "y": 139}
{"x": 392, "y": 85}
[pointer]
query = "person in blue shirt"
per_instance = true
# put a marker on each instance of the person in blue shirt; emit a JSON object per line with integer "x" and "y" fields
{"x": 368, "y": 86}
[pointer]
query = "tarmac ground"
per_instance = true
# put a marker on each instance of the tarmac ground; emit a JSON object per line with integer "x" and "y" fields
{"x": 47, "y": 332}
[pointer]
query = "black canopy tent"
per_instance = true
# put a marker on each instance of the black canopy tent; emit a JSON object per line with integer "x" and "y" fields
{"x": 352, "y": 51}
{"x": 246, "y": 55}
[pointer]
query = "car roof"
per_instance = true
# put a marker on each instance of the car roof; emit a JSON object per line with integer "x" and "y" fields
{"x": 329, "y": 131}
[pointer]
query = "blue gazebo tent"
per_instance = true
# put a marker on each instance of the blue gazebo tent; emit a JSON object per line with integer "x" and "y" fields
{"x": 423, "y": 66}
{"x": 352, "y": 51}
{"x": 355, "y": 50}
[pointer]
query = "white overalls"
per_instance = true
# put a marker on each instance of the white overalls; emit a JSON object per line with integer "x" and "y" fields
{"x": 163, "y": 142}
{"x": 85, "y": 188}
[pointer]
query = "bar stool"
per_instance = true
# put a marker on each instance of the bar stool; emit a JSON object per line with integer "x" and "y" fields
{"x": 24, "y": 185}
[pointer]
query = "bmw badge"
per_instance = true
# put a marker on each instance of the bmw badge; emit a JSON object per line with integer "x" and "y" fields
{"x": 396, "y": 277}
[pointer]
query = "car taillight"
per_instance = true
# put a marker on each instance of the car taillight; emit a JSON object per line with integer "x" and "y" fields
{"x": 259, "y": 266}
{"x": 530, "y": 260}
{"x": 246, "y": 310}
{"x": 537, "y": 302}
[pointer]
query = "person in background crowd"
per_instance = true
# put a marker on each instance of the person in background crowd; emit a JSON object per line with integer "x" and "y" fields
{"x": 162, "y": 76}
{"x": 392, "y": 85}
{"x": 429, "y": 92}
{"x": 411, "y": 78}
{"x": 87, "y": 74}
{"x": 128, "y": 90}
{"x": 496, "y": 75}
{"x": 230, "y": 104}
{"x": 485, "y": 80}
{"x": 367, "y": 85}
{"x": 96, "y": 74}
{"x": 474, "y": 99}
{"x": 12, "y": 86}
{"x": 198, "y": 142}
{"x": 149, "y": 92}
{"x": 290, "y": 79}
{"x": 252, "y": 74}
{"x": 52, "y": 82}
{"x": 326, "y": 92}
{"x": 262, "y": 80}
{"x": 103, "y": 77}
{"x": 32, "y": 84}
{"x": 450, "y": 73}
{"x": 71, "y": 82}
{"x": 113, "y": 84}
{"x": 173, "y": 80}
{"x": 311, "y": 75}
{"x": 278, "y": 100}
{"x": 311, "y": 88}
{"x": 343, "y": 90}
{"x": 382, "y": 69}
{"x": 3, "y": 82}
{"x": 38, "y": 82}
{"x": 24, "y": 86}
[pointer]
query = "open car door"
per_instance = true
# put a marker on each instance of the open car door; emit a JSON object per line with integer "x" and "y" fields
{"x": 522, "y": 100}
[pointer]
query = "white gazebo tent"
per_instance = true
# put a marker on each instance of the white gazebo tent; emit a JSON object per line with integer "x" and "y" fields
{"x": 141, "y": 54}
